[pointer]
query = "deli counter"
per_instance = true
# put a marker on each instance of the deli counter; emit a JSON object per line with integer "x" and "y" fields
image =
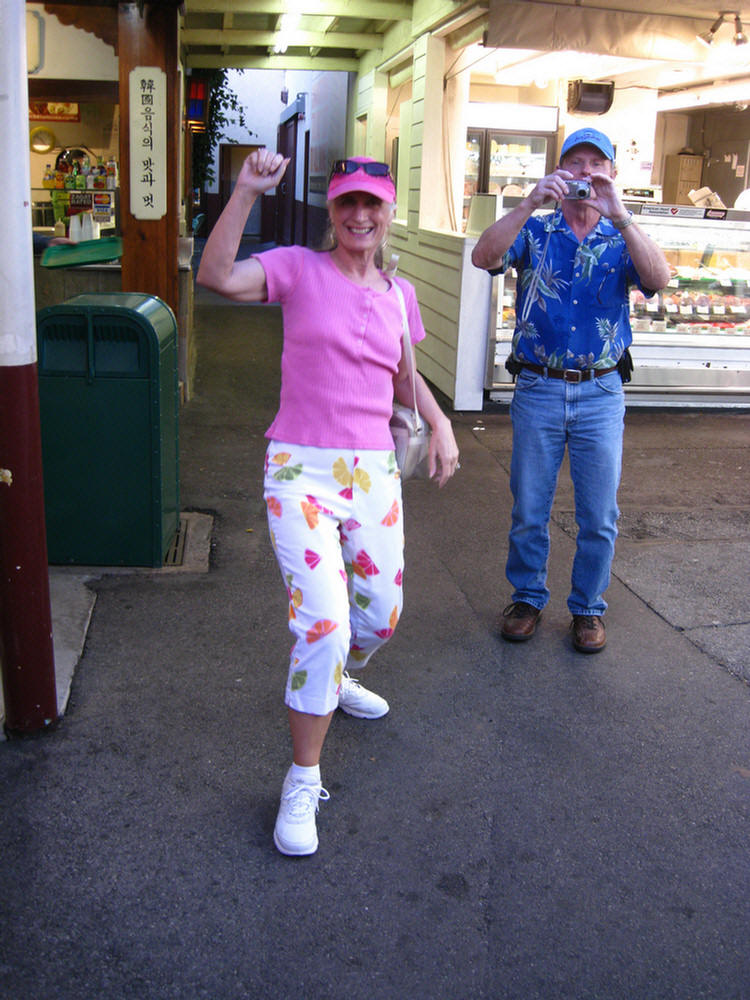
{"x": 691, "y": 341}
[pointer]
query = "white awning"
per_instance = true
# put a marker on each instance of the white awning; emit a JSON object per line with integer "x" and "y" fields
{"x": 534, "y": 24}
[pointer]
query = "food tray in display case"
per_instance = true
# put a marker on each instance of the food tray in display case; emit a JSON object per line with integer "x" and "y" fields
{"x": 709, "y": 292}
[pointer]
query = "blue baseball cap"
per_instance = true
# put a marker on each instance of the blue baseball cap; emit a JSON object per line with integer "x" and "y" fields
{"x": 589, "y": 137}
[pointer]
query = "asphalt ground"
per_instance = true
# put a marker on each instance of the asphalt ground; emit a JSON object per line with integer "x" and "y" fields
{"x": 527, "y": 822}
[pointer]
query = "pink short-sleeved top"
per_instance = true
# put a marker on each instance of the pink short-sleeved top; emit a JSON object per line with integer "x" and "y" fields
{"x": 342, "y": 345}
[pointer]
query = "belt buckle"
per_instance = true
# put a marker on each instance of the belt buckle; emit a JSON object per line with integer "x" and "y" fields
{"x": 572, "y": 375}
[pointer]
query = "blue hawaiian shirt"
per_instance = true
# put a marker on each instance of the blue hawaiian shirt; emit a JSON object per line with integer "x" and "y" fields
{"x": 577, "y": 316}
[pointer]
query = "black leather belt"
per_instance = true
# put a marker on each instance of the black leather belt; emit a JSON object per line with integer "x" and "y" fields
{"x": 569, "y": 374}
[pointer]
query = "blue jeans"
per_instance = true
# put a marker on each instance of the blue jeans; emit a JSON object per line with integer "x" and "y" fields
{"x": 588, "y": 416}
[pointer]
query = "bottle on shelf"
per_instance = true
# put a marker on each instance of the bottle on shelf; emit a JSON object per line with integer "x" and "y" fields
{"x": 100, "y": 174}
{"x": 111, "y": 173}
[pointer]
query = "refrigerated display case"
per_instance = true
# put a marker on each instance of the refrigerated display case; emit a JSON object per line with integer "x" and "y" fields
{"x": 507, "y": 163}
{"x": 691, "y": 341}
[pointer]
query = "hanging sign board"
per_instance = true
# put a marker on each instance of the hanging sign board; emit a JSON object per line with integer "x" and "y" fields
{"x": 148, "y": 142}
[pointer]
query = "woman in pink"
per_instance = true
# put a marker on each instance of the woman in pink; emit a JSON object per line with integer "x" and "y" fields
{"x": 332, "y": 487}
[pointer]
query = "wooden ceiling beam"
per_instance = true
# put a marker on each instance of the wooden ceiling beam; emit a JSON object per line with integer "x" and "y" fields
{"x": 369, "y": 10}
{"x": 238, "y": 61}
{"x": 305, "y": 39}
{"x": 75, "y": 91}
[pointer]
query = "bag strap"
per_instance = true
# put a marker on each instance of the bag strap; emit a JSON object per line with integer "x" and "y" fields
{"x": 534, "y": 283}
{"x": 409, "y": 347}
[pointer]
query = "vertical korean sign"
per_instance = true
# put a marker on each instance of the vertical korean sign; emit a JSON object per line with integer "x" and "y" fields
{"x": 148, "y": 142}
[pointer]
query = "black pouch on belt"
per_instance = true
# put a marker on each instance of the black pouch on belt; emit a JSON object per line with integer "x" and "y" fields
{"x": 513, "y": 366}
{"x": 625, "y": 365}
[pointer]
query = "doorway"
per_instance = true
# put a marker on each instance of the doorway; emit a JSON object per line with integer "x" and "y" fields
{"x": 231, "y": 158}
{"x": 286, "y": 203}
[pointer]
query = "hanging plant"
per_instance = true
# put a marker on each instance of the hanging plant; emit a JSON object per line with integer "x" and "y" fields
{"x": 224, "y": 109}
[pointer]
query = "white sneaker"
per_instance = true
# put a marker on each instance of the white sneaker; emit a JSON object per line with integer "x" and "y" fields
{"x": 358, "y": 701}
{"x": 295, "y": 832}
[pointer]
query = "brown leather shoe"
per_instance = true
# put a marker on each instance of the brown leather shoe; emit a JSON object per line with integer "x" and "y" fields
{"x": 588, "y": 633}
{"x": 519, "y": 621}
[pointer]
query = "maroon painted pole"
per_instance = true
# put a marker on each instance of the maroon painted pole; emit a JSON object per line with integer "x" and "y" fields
{"x": 26, "y": 649}
{"x": 25, "y": 619}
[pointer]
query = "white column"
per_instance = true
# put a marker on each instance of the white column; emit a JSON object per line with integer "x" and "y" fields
{"x": 28, "y": 670}
{"x": 17, "y": 312}
{"x": 427, "y": 128}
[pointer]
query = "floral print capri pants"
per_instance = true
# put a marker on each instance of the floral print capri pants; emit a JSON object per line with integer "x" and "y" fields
{"x": 336, "y": 525}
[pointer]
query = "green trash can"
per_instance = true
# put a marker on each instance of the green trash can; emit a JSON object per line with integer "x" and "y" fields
{"x": 109, "y": 402}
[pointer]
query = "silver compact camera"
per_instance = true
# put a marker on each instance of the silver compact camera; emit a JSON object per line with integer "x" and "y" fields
{"x": 578, "y": 190}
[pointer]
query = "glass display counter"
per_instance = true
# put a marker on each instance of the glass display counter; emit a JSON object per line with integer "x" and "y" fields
{"x": 50, "y": 205}
{"x": 709, "y": 292}
{"x": 691, "y": 341}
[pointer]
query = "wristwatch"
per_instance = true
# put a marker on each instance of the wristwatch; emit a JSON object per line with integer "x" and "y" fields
{"x": 623, "y": 223}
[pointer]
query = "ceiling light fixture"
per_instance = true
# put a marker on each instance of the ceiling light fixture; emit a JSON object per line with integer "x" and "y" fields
{"x": 740, "y": 38}
{"x": 288, "y": 24}
{"x": 708, "y": 36}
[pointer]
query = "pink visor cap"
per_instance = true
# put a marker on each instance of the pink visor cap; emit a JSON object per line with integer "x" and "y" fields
{"x": 380, "y": 186}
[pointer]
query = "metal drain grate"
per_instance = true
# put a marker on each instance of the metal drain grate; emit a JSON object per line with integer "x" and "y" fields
{"x": 176, "y": 551}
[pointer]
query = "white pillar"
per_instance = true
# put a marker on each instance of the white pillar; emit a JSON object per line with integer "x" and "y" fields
{"x": 17, "y": 312}
{"x": 26, "y": 646}
{"x": 456, "y": 101}
{"x": 427, "y": 132}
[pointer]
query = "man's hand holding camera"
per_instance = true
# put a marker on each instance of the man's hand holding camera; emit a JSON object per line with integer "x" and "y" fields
{"x": 596, "y": 191}
{"x": 604, "y": 197}
{"x": 553, "y": 187}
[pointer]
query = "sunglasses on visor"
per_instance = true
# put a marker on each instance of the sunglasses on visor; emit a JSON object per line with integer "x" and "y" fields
{"x": 351, "y": 167}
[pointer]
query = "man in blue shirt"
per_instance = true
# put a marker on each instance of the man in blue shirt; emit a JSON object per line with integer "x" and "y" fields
{"x": 575, "y": 269}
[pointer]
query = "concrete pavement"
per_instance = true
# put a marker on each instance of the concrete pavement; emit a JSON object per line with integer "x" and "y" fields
{"x": 526, "y": 822}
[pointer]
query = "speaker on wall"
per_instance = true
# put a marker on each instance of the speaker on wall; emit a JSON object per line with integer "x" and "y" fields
{"x": 591, "y": 98}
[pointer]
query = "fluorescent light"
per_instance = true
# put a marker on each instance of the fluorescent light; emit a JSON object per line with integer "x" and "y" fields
{"x": 512, "y": 117}
{"x": 288, "y": 24}
{"x": 731, "y": 92}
